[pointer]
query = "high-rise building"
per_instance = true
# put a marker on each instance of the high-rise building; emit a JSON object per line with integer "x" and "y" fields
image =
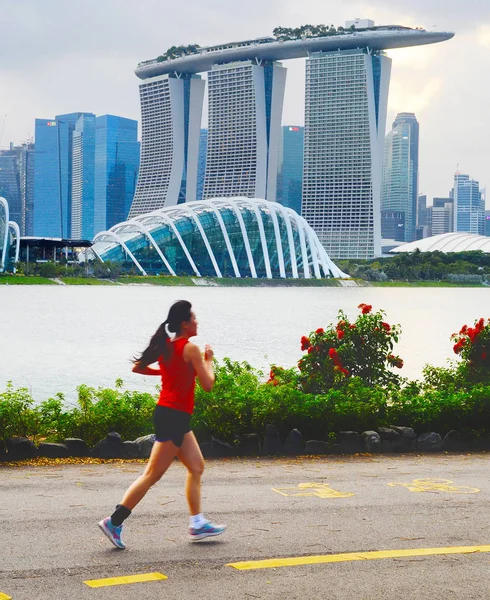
{"x": 171, "y": 110}
{"x": 10, "y": 183}
{"x": 345, "y": 117}
{"x": 201, "y": 163}
{"x": 53, "y": 175}
{"x": 26, "y": 169}
{"x": 290, "y": 178}
{"x": 400, "y": 177}
{"x": 83, "y": 178}
{"x": 422, "y": 210}
{"x": 487, "y": 222}
{"x": 117, "y": 155}
{"x": 440, "y": 216}
{"x": 244, "y": 129}
{"x": 469, "y": 205}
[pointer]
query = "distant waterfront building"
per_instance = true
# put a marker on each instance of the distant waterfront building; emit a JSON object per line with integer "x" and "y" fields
{"x": 83, "y": 178}
{"x": 440, "y": 216}
{"x": 244, "y": 129}
{"x": 487, "y": 222}
{"x": 422, "y": 210}
{"x": 400, "y": 176}
{"x": 469, "y": 205}
{"x": 290, "y": 177}
{"x": 171, "y": 110}
{"x": 346, "y": 102}
{"x": 9, "y": 238}
{"x": 10, "y": 182}
{"x": 117, "y": 156}
{"x": 201, "y": 163}
{"x": 26, "y": 176}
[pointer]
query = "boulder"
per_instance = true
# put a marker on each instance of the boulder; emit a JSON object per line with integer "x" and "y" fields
{"x": 249, "y": 444}
{"x": 131, "y": 449}
{"x": 452, "y": 441}
{"x": 350, "y": 442}
{"x": 408, "y": 438}
{"x": 111, "y": 446}
{"x": 394, "y": 439}
{"x": 216, "y": 449}
{"x": 317, "y": 447}
{"x": 3, "y": 451}
{"x": 429, "y": 442}
{"x": 272, "y": 441}
{"x": 294, "y": 442}
{"x": 145, "y": 445}
{"x": 77, "y": 447}
{"x": 371, "y": 441}
{"x": 19, "y": 448}
{"x": 53, "y": 450}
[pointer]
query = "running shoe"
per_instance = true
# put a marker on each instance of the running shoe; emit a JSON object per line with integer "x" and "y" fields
{"x": 112, "y": 532}
{"x": 207, "y": 530}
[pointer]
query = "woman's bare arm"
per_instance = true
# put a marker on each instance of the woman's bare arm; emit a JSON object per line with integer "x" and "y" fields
{"x": 138, "y": 368}
{"x": 203, "y": 367}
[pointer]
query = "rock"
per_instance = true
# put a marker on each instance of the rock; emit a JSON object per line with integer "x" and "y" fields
{"x": 53, "y": 450}
{"x": 452, "y": 441}
{"x": 249, "y": 444}
{"x": 396, "y": 443}
{"x": 132, "y": 449}
{"x": 407, "y": 433}
{"x": 111, "y": 446}
{"x": 3, "y": 451}
{"x": 429, "y": 442}
{"x": 294, "y": 442}
{"x": 317, "y": 447}
{"x": 77, "y": 447}
{"x": 408, "y": 439}
{"x": 272, "y": 441}
{"x": 350, "y": 442}
{"x": 386, "y": 447}
{"x": 216, "y": 449}
{"x": 145, "y": 445}
{"x": 19, "y": 448}
{"x": 371, "y": 441}
{"x": 386, "y": 433}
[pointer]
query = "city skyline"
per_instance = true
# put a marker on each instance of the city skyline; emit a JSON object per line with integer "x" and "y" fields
{"x": 100, "y": 78}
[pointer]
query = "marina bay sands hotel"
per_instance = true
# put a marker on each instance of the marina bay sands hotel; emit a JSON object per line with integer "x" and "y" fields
{"x": 347, "y": 82}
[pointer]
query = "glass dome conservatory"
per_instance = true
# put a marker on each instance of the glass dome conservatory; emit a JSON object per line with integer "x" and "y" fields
{"x": 221, "y": 237}
{"x": 9, "y": 239}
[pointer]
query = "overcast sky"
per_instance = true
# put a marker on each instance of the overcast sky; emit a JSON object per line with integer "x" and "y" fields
{"x": 60, "y": 57}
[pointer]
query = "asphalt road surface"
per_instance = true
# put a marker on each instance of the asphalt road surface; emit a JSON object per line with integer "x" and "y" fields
{"x": 364, "y": 528}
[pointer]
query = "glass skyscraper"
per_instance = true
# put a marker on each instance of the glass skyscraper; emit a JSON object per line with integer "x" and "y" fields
{"x": 469, "y": 205}
{"x": 399, "y": 190}
{"x": 117, "y": 155}
{"x": 290, "y": 177}
{"x": 10, "y": 187}
{"x": 245, "y": 109}
{"x": 345, "y": 118}
{"x": 201, "y": 163}
{"x": 83, "y": 178}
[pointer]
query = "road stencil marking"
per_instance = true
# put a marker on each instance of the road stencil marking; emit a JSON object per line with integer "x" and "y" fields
{"x": 436, "y": 485}
{"x": 273, "y": 563}
{"x": 5, "y": 597}
{"x": 320, "y": 490}
{"x": 96, "y": 583}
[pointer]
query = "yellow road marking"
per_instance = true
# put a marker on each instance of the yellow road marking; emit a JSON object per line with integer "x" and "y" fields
{"x": 273, "y": 563}
{"x": 96, "y": 583}
{"x": 5, "y": 597}
{"x": 320, "y": 490}
{"x": 436, "y": 485}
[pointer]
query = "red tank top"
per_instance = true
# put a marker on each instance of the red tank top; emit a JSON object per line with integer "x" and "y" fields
{"x": 178, "y": 379}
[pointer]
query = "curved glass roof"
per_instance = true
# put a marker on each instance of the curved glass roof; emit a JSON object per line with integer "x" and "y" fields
{"x": 447, "y": 242}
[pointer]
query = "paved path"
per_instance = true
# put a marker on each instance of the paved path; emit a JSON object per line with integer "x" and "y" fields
{"x": 291, "y": 509}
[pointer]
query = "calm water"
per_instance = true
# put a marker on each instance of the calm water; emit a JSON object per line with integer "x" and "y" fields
{"x": 55, "y": 337}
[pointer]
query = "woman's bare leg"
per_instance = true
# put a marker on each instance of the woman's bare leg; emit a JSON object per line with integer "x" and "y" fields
{"x": 161, "y": 457}
{"x": 190, "y": 455}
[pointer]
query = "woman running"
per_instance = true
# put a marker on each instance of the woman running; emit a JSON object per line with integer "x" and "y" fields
{"x": 180, "y": 361}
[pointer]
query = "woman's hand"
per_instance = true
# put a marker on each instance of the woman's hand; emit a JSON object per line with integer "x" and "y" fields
{"x": 208, "y": 353}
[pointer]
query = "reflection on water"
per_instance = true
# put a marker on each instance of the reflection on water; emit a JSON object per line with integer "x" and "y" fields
{"x": 54, "y": 338}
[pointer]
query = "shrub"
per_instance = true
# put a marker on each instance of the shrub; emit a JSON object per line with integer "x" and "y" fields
{"x": 472, "y": 344}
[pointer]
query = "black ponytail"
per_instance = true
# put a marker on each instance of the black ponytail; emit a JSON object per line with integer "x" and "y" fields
{"x": 158, "y": 346}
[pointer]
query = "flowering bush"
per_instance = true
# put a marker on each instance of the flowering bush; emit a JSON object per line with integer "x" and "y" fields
{"x": 361, "y": 349}
{"x": 472, "y": 344}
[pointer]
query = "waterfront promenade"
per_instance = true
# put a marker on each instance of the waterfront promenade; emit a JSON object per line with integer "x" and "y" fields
{"x": 314, "y": 513}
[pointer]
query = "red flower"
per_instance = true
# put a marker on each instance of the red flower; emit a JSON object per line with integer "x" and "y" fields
{"x": 319, "y": 330}
{"x": 385, "y": 326}
{"x": 352, "y": 326}
{"x": 311, "y": 349}
{"x": 341, "y": 324}
{"x": 300, "y": 365}
{"x": 305, "y": 343}
{"x": 332, "y": 352}
{"x": 480, "y": 325}
{"x": 483, "y": 355}
{"x": 340, "y": 334}
{"x": 464, "y": 329}
{"x": 275, "y": 382}
{"x": 367, "y": 308}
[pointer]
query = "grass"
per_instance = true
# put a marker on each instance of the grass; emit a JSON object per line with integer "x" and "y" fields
{"x": 155, "y": 280}
{"x": 22, "y": 280}
{"x": 85, "y": 281}
{"x": 443, "y": 284}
